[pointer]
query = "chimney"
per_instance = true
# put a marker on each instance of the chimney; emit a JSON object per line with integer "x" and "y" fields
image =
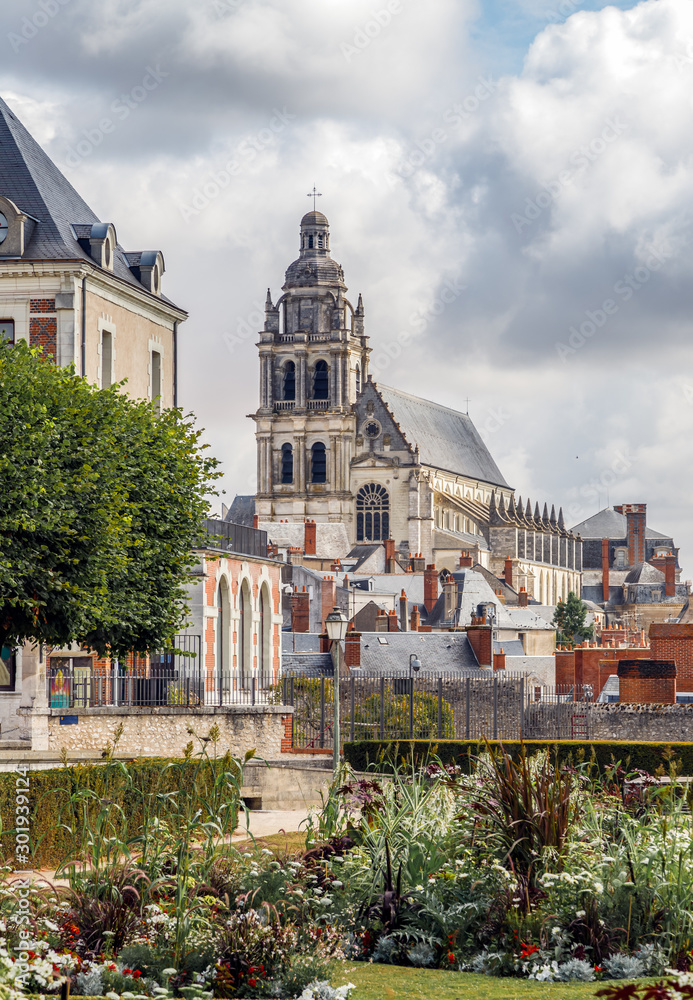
{"x": 465, "y": 561}
{"x": 479, "y": 636}
{"x": 450, "y": 592}
{"x": 256, "y": 520}
{"x": 415, "y": 620}
{"x": 523, "y": 598}
{"x": 636, "y": 514}
{"x": 508, "y": 572}
{"x": 392, "y": 623}
{"x": 430, "y": 587}
{"x": 389, "y": 544}
{"x": 381, "y": 621}
{"x": 352, "y": 649}
{"x": 310, "y": 540}
{"x": 670, "y": 576}
{"x": 501, "y": 596}
{"x": 404, "y": 612}
{"x": 329, "y": 596}
{"x": 300, "y": 610}
{"x": 499, "y": 660}
{"x": 418, "y": 563}
{"x": 605, "y": 569}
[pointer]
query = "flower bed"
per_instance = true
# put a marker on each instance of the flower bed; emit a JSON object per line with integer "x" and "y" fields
{"x": 522, "y": 868}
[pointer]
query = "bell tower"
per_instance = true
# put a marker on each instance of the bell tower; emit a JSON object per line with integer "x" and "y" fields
{"x": 313, "y": 365}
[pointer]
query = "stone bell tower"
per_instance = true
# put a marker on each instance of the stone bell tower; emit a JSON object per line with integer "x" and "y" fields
{"x": 313, "y": 365}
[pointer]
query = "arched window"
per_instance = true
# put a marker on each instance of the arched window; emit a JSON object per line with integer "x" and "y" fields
{"x": 265, "y": 664}
{"x": 318, "y": 463}
{"x": 320, "y": 381}
{"x": 245, "y": 636}
{"x": 310, "y": 242}
{"x": 223, "y": 627}
{"x": 289, "y": 380}
{"x": 287, "y": 464}
{"x": 358, "y": 379}
{"x": 372, "y": 513}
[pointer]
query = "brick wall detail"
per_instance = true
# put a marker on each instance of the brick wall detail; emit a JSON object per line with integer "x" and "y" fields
{"x": 647, "y": 682}
{"x": 43, "y": 333}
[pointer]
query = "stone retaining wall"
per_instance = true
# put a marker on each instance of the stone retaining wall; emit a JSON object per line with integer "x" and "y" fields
{"x": 164, "y": 732}
{"x": 665, "y": 723}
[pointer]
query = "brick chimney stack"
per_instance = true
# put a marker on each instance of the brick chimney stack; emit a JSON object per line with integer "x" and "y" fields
{"x": 392, "y": 623}
{"x": 256, "y": 520}
{"x": 310, "y": 538}
{"x": 508, "y": 572}
{"x": 523, "y": 598}
{"x": 300, "y": 610}
{"x": 636, "y": 516}
{"x": 430, "y": 587}
{"x": 404, "y": 612}
{"x": 605, "y": 569}
{"x": 352, "y": 649}
{"x": 389, "y": 544}
{"x": 415, "y": 620}
{"x": 381, "y": 621}
{"x": 466, "y": 561}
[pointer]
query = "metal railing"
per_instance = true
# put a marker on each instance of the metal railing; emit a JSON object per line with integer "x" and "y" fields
{"x": 446, "y": 706}
{"x": 174, "y": 680}
{"x": 230, "y": 537}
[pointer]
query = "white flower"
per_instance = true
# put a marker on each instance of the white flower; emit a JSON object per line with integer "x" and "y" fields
{"x": 580, "y": 913}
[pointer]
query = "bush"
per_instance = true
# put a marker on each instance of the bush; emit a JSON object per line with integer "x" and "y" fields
{"x": 382, "y": 754}
{"x": 128, "y": 787}
{"x": 396, "y": 714}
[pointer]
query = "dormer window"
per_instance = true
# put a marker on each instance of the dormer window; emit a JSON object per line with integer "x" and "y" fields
{"x": 16, "y": 229}
{"x": 101, "y": 243}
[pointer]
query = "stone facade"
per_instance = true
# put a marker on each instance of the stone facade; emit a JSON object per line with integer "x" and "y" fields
{"x": 334, "y": 446}
{"x": 633, "y": 723}
{"x": 163, "y": 732}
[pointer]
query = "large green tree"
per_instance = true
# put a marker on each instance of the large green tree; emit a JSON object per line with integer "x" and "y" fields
{"x": 569, "y": 619}
{"x": 101, "y": 504}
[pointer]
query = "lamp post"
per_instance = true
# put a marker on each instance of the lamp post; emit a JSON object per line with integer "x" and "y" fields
{"x": 336, "y": 625}
{"x": 414, "y": 667}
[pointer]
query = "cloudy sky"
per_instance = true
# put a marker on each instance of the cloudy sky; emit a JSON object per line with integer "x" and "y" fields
{"x": 532, "y": 156}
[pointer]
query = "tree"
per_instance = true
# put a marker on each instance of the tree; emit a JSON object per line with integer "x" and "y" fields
{"x": 569, "y": 619}
{"x": 102, "y": 500}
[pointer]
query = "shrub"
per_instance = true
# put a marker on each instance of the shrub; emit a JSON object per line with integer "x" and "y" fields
{"x": 395, "y": 714}
{"x": 644, "y": 756}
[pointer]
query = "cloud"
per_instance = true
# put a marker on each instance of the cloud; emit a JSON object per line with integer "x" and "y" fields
{"x": 431, "y": 143}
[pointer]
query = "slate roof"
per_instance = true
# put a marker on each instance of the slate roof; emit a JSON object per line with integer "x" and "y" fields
{"x": 300, "y": 642}
{"x": 608, "y": 523}
{"x": 645, "y": 573}
{"x": 511, "y": 647}
{"x": 30, "y": 179}
{"x": 444, "y": 538}
{"x": 361, "y": 553}
{"x": 446, "y": 439}
{"x": 438, "y": 651}
{"x": 472, "y": 590}
{"x": 313, "y": 664}
{"x": 242, "y": 510}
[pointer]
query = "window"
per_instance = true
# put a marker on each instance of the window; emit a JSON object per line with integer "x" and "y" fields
{"x": 107, "y": 359}
{"x": 320, "y": 381}
{"x": 7, "y": 330}
{"x": 318, "y": 470}
{"x": 290, "y": 380}
{"x": 372, "y": 513}
{"x": 287, "y": 464}
{"x": 320, "y": 242}
{"x": 4, "y": 227}
{"x": 358, "y": 379}
{"x": 310, "y": 242}
{"x": 221, "y": 627}
{"x": 245, "y": 636}
{"x": 7, "y": 669}
{"x": 265, "y": 637}
{"x": 156, "y": 379}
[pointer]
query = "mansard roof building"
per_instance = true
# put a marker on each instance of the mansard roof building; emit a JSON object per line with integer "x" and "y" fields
{"x": 335, "y": 446}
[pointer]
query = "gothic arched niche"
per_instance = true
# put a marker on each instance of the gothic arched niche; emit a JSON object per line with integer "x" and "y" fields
{"x": 289, "y": 381}
{"x": 372, "y": 513}
{"x": 318, "y": 463}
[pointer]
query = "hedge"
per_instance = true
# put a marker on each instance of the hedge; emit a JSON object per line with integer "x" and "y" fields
{"x": 129, "y": 785}
{"x": 380, "y": 754}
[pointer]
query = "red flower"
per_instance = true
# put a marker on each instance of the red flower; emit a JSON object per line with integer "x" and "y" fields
{"x": 451, "y": 957}
{"x": 136, "y": 974}
{"x": 252, "y": 982}
{"x": 528, "y": 950}
{"x": 126, "y": 971}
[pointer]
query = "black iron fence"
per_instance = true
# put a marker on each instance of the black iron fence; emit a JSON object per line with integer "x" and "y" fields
{"x": 174, "y": 679}
{"x": 230, "y": 537}
{"x": 446, "y": 706}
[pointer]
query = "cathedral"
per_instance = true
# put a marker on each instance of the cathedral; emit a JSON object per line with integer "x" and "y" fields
{"x": 334, "y": 446}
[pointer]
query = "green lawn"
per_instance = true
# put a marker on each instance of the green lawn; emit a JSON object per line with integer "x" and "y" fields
{"x": 392, "y": 982}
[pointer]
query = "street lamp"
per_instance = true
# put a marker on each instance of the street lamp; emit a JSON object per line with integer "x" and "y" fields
{"x": 336, "y": 625}
{"x": 414, "y": 667}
